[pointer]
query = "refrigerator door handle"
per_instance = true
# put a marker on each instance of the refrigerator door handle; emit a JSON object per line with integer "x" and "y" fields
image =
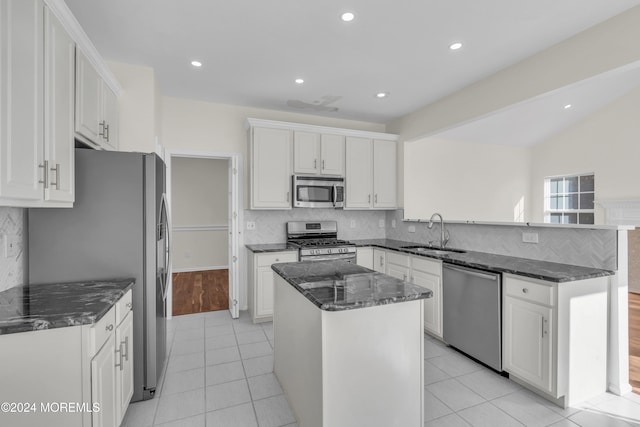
{"x": 167, "y": 249}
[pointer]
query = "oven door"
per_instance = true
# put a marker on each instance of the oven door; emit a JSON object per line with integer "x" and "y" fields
{"x": 315, "y": 192}
{"x": 351, "y": 257}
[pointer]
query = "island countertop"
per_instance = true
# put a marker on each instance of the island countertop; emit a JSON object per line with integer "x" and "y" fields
{"x": 341, "y": 285}
{"x": 49, "y": 306}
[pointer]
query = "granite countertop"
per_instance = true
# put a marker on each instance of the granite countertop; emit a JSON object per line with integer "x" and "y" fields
{"x": 49, "y": 306}
{"x": 270, "y": 247}
{"x": 543, "y": 270}
{"x": 341, "y": 285}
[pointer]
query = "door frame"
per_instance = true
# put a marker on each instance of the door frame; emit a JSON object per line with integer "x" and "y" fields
{"x": 235, "y": 220}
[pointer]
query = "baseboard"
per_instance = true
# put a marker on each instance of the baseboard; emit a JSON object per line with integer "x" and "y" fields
{"x": 194, "y": 269}
{"x": 620, "y": 390}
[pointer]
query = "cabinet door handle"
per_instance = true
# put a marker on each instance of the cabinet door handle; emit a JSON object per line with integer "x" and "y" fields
{"x": 288, "y": 196}
{"x": 119, "y": 353}
{"x": 323, "y": 165}
{"x": 369, "y": 199}
{"x": 125, "y": 354}
{"x": 45, "y": 174}
{"x": 57, "y": 171}
{"x": 129, "y": 305}
{"x": 315, "y": 163}
{"x": 525, "y": 290}
{"x": 375, "y": 199}
{"x": 106, "y": 132}
{"x": 381, "y": 261}
{"x": 109, "y": 328}
{"x": 102, "y": 124}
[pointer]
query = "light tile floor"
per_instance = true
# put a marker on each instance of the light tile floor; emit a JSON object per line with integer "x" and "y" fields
{"x": 220, "y": 374}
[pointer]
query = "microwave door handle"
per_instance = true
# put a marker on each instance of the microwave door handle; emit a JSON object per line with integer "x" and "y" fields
{"x": 334, "y": 195}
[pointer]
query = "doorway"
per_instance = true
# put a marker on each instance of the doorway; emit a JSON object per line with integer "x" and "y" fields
{"x": 203, "y": 195}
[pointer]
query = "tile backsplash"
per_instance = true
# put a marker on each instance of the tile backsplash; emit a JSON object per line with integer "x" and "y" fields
{"x": 270, "y": 225}
{"x": 577, "y": 246}
{"x": 13, "y": 269}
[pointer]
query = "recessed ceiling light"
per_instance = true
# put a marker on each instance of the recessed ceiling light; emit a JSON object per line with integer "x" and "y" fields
{"x": 382, "y": 94}
{"x": 566, "y": 107}
{"x": 299, "y": 81}
{"x": 348, "y": 16}
{"x": 196, "y": 64}
{"x": 455, "y": 46}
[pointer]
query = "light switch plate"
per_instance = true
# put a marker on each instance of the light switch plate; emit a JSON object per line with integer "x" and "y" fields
{"x": 251, "y": 225}
{"x": 530, "y": 237}
{"x": 352, "y": 223}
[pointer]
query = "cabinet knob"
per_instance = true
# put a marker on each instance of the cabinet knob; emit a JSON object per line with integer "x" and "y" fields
{"x": 129, "y": 305}
{"x": 525, "y": 290}
{"x": 277, "y": 259}
{"x": 109, "y": 327}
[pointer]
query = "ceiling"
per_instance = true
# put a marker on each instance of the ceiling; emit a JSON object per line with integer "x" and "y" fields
{"x": 253, "y": 50}
{"x": 535, "y": 120}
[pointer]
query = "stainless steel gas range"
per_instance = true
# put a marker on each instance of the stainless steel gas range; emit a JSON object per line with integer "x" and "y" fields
{"x": 318, "y": 241}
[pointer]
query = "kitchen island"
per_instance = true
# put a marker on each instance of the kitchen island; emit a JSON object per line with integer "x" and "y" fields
{"x": 349, "y": 345}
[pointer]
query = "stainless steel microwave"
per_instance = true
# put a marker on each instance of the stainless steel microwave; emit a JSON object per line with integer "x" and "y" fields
{"x": 318, "y": 191}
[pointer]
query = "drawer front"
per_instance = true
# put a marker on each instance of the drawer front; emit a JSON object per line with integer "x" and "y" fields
{"x": 398, "y": 258}
{"x": 529, "y": 291}
{"x": 102, "y": 330}
{"x": 427, "y": 265}
{"x": 123, "y": 307}
{"x": 265, "y": 260}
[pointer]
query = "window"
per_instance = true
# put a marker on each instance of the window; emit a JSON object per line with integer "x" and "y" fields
{"x": 569, "y": 199}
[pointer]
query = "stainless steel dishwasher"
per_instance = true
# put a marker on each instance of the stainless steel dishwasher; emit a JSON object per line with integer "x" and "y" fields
{"x": 471, "y": 314}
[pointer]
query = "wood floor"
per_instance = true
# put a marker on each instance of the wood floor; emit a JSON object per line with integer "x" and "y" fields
{"x": 198, "y": 291}
{"x": 634, "y": 341}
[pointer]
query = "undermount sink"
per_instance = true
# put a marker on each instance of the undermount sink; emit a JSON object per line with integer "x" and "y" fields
{"x": 432, "y": 250}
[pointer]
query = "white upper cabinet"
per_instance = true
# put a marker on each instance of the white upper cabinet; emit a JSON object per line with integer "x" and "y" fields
{"x": 367, "y": 160}
{"x": 370, "y": 174}
{"x": 36, "y": 113}
{"x": 58, "y": 113}
{"x": 96, "y": 107}
{"x": 21, "y": 99}
{"x": 359, "y": 176}
{"x": 384, "y": 174}
{"x": 270, "y": 152}
{"x": 318, "y": 154}
{"x": 306, "y": 152}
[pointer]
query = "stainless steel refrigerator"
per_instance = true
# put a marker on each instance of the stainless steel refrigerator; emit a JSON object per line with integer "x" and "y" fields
{"x": 118, "y": 227}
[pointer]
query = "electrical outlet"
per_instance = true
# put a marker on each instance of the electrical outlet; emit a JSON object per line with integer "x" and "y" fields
{"x": 251, "y": 225}
{"x": 352, "y": 223}
{"x": 530, "y": 237}
{"x": 381, "y": 223}
{"x": 411, "y": 229}
{"x": 12, "y": 246}
{"x": 393, "y": 223}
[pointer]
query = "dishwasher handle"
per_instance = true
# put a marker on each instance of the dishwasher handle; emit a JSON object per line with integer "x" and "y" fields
{"x": 487, "y": 276}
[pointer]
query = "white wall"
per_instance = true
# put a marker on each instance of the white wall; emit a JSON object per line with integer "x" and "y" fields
{"x": 606, "y": 143}
{"x": 466, "y": 181}
{"x": 607, "y": 46}
{"x": 200, "y": 193}
{"x": 138, "y": 107}
{"x": 203, "y": 126}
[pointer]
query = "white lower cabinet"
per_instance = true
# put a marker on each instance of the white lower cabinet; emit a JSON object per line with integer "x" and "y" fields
{"x": 554, "y": 336}
{"x": 364, "y": 257}
{"x": 78, "y": 365}
{"x": 261, "y": 282}
{"x": 428, "y": 274}
{"x": 379, "y": 256}
{"x": 103, "y": 385}
{"x": 423, "y": 272}
{"x": 124, "y": 366}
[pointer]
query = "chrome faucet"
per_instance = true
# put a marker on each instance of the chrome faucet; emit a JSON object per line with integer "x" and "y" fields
{"x": 443, "y": 239}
